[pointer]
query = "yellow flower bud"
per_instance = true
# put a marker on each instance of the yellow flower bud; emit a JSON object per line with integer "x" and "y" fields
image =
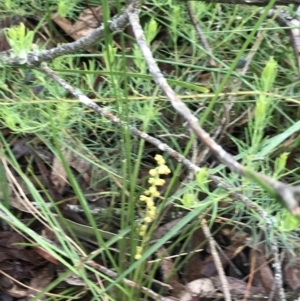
{"x": 144, "y": 198}
{"x": 151, "y": 215}
{"x": 153, "y": 172}
{"x": 156, "y": 194}
{"x": 151, "y": 210}
{"x": 163, "y": 170}
{"x": 150, "y": 203}
{"x": 142, "y": 233}
{"x": 144, "y": 228}
{"x": 159, "y": 159}
{"x": 159, "y": 182}
{"x": 152, "y": 190}
{"x": 137, "y": 256}
{"x": 151, "y": 180}
{"x": 148, "y": 219}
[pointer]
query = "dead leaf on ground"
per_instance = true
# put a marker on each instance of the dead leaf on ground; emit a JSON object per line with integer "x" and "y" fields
{"x": 169, "y": 272}
{"x": 238, "y": 242}
{"x": 59, "y": 175}
{"x": 46, "y": 255}
{"x": 292, "y": 271}
{"x": 197, "y": 288}
{"x": 10, "y": 244}
{"x": 11, "y": 288}
{"x": 236, "y": 286}
{"x": 194, "y": 264}
{"x": 264, "y": 274}
{"x": 87, "y": 21}
{"x": 42, "y": 278}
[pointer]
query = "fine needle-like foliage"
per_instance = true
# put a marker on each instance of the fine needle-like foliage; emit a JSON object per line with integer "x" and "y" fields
{"x": 124, "y": 187}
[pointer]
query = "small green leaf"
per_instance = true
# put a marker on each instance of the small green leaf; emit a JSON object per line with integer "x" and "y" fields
{"x": 286, "y": 222}
{"x": 269, "y": 74}
{"x": 151, "y": 30}
{"x": 280, "y": 163}
{"x": 189, "y": 200}
{"x": 62, "y": 9}
{"x": 202, "y": 179}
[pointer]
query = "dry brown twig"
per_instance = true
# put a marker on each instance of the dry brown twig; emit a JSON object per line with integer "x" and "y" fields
{"x": 217, "y": 260}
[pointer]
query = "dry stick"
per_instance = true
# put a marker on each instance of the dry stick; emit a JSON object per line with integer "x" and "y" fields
{"x": 128, "y": 282}
{"x": 251, "y": 275}
{"x": 284, "y": 19}
{"x": 200, "y": 34}
{"x": 278, "y": 271}
{"x": 288, "y": 194}
{"x": 217, "y": 261}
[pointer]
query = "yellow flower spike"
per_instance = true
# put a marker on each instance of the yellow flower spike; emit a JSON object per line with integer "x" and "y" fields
{"x": 142, "y": 230}
{"x": 137, "y": 256}
{"x": 149, "y": 196}
{"x": 153, "y": 172}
